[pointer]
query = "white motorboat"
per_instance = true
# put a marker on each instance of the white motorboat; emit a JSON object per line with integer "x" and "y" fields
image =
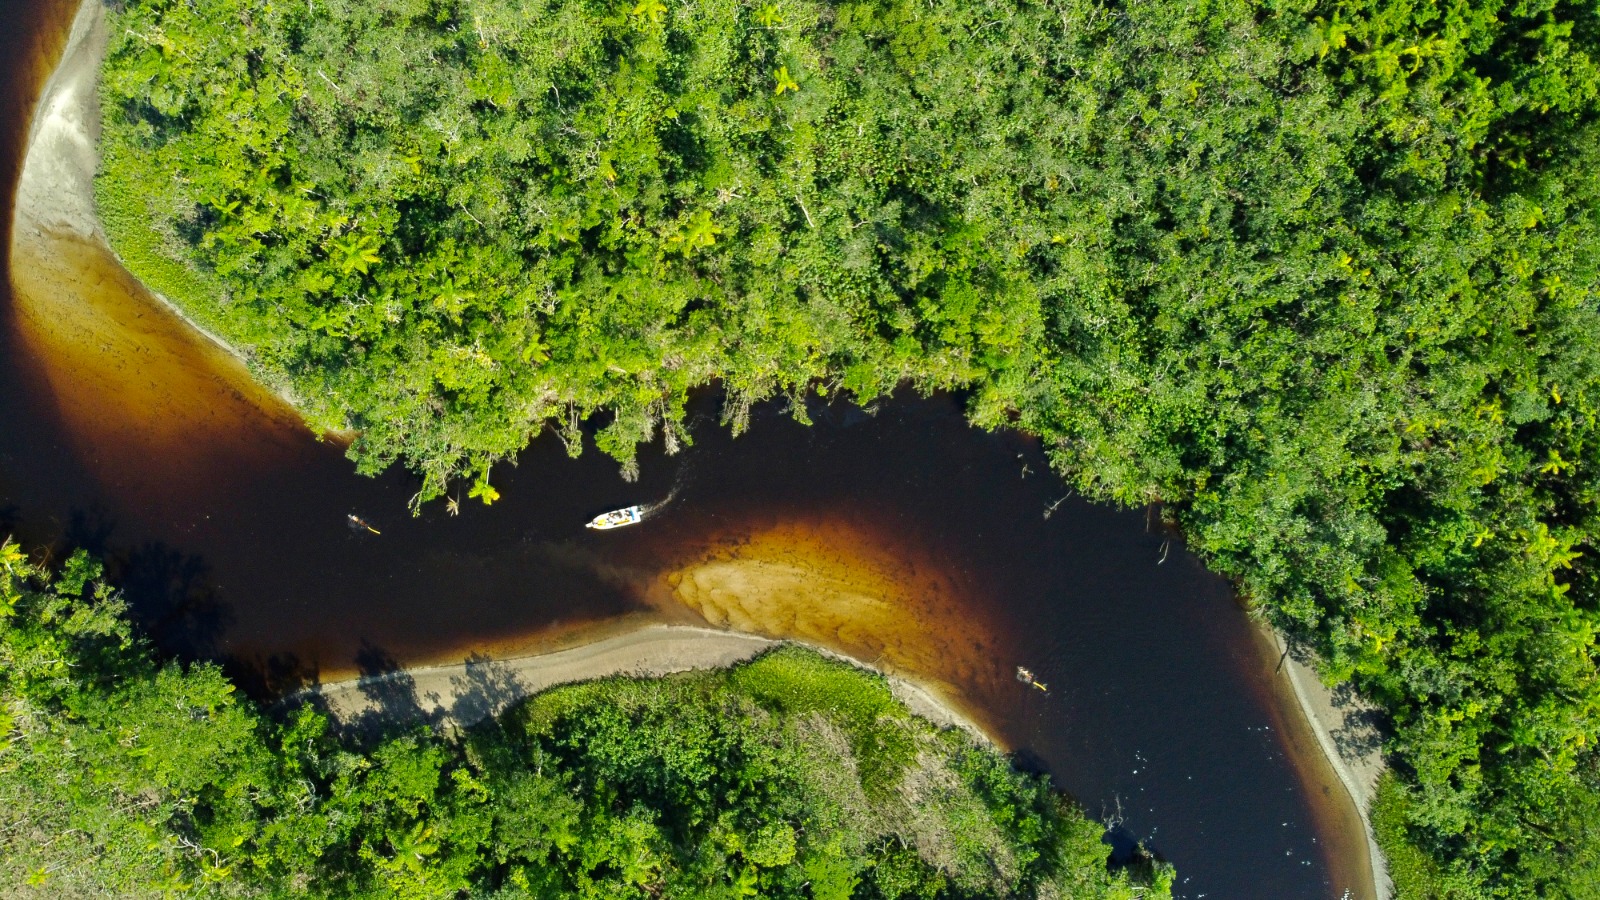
{"x": 616, "y": 518}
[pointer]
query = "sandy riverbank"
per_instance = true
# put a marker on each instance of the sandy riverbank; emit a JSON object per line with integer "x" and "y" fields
{"x": 132, "y": 379}
{"x": 1344, "y": 727}
{"x": 479, "y": 687}
{"x": 55, "y": 197}
{"x": 56, "y": 192}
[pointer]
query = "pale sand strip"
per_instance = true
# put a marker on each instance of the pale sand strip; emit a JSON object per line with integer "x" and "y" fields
{"x": 56, "y": 191}
{"x": 474, "y": 689}
{"x": 55, "y": 199}
{"x": 1355, "y": 755}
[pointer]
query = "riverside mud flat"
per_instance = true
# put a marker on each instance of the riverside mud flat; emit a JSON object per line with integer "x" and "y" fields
{"x": 905, "y": 538}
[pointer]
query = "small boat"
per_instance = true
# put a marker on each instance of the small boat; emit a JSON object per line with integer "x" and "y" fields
{"x": 617, "y": 518}
{"x": 356, "y": 522}
{"x": 1026, "y": 677}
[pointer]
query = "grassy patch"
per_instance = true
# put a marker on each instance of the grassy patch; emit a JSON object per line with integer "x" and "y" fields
{"x": 127, "y": 196}
{"x": 794, "y": 681}
{"x": 1415, "y": 874}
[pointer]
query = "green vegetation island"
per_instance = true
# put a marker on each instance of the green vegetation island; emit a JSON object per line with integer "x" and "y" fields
{"x": 1320, "y": 277}
{"x": 787, "y": 776}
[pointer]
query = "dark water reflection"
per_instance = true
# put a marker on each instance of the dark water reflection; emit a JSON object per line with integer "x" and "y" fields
{"x": 1164, "y": 715}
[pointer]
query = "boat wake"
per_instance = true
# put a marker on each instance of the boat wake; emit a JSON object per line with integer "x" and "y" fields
{"x": 682, "y": 479}
{"x": 633, "y": 515}
{"x": 646, "y": 510}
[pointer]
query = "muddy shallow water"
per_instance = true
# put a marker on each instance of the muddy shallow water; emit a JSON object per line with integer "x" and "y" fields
{"x": 903, "y": 538}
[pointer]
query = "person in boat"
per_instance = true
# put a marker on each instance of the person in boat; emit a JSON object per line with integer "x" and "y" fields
{"x": 356, "y": 522}
{"x": 1026, "y": 677}
{"x": 617, "y": 518}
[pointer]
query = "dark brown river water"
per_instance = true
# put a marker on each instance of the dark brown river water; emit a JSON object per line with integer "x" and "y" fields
{"x": 902, "y": 537}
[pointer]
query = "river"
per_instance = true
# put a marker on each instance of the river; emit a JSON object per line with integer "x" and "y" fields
{"x": 898, "y": 535}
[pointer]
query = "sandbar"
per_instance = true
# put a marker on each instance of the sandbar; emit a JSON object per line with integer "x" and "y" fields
{"x": 469, "y": 691}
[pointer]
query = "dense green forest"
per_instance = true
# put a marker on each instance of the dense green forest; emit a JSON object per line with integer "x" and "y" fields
{"x": 789, "y": 776}
{"x": 1319, "y": 276}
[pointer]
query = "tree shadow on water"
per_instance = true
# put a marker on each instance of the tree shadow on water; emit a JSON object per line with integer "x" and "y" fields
{"x": 10, "y": 518}
{"x": 173, "y": 598}
{"x": 1128, "y": 852}
{"x": 276, "y": 679}
{"x": 1024, "y": 759}
{"x": 90, "y": 528}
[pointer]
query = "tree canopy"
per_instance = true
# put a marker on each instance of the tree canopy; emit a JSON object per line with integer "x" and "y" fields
{"x": 1319, "y": 275}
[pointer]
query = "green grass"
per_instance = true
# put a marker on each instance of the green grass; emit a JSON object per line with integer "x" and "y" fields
{"x": 790, "y": 682}
{"x": 795, "y": 681}
{"x": 1415, "y": 874}
{"x": 126, "y": 194}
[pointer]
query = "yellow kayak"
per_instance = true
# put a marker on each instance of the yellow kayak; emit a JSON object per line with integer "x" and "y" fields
{"x": 1026, "y": 677}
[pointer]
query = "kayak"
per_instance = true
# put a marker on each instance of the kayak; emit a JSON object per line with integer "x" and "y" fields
{"x": 1026, "y": 677}
{"x": 616, "y": 518}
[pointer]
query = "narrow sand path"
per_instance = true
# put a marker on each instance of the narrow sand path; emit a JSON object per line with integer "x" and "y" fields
{"x": 1345, "y": 729}
{"x": 56, "y": 192}
{"x": 478, "y": 687}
